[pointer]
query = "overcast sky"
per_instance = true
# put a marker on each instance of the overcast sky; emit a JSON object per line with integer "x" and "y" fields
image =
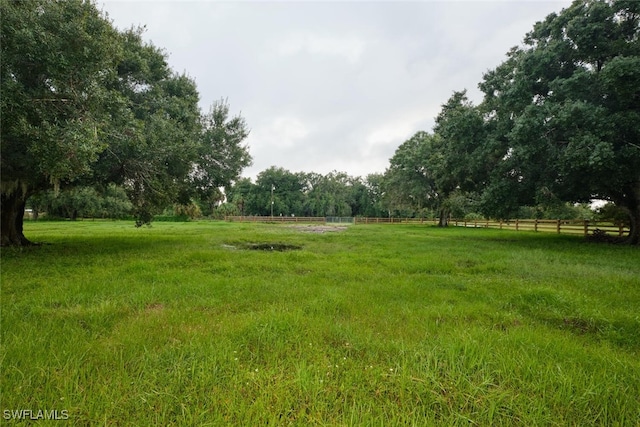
{"x": 332, "y": 85}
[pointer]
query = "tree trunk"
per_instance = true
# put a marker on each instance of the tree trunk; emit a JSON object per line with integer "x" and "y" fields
{"x": 443, "y": 220}
{"x": 12, "y": 206}
{"x": 631, "y": 203}
{"x": 634, "y": 215}
{"x": 634, "y": 232}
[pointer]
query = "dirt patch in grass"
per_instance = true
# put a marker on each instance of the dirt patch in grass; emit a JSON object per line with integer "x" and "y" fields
{"x": 155, "y": 307}
{"x": 264, "y": 246}
{"x": 272, "y": 246}
{"x": 320, "y": 228}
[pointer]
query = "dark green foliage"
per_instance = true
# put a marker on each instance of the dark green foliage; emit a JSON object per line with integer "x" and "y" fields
{"x": 84, "y": 105}
{"x": 559, "y": 122}
{"x": 56, "y": 60}
{"x": 409, "y": 182}
{"x": 565, "y": 110}
{"x": 435, "y": 172}
{"x": 331, "y": 195}
{"x": 154, "y": 129}
{"x": 221, "y": 154}
{"x": 82, "y": 202}
{"x": 306, "y": 194}
{"x": 613, "y": 213}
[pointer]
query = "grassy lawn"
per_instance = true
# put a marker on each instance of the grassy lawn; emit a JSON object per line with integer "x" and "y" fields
{"x": 182, "y": 324}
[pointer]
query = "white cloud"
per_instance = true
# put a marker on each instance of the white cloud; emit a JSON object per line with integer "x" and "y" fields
{"x": 392, "y": 131}
{"x": 281, "y": 132}
{"x": 333, "y": 85}
{"x": 348, "y": 47}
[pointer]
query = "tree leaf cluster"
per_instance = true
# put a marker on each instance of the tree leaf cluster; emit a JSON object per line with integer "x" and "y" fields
{"x": 305, "y": 194}
{"x": 83, "y": 202}
{"x": 559, "y": 122}
{"x": 84, "y": 104}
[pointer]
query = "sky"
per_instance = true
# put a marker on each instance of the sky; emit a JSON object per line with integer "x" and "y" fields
{"x": 332, "y": 85}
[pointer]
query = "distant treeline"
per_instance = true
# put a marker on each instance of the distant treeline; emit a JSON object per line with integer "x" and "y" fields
{"x": 298, "y": 194}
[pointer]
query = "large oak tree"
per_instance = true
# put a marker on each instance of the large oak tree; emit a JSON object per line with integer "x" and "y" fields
{"x": 222, "y": 153}
{"x": 565, "y": 109}
{"x": 56, "y": 59}
{"x": 85, "y": 104}
{"x": 410, "y": 180}
{"x": 153, "y": 131}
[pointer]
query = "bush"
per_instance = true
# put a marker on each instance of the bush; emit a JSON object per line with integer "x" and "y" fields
{"x": 82, "y": 202}
{"x": 171, "y": 218}
{"x": 191, "y": 211}
{"x": 474, "y": 216}
{"x": 225, "y": 209}
{"x": 612, "y": 212}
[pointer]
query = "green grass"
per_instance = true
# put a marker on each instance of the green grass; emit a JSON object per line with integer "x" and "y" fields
{"x": 178, "y": 324}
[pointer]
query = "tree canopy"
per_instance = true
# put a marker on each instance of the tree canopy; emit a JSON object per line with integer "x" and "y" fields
{"x": 409, "y": 181}
{"x": 565, "y": 108}
{"x": 306, "y": 194}
{"x": 57, "y": 58}
{"x": 84, "y": 104}
{"x": 559, "y": 122}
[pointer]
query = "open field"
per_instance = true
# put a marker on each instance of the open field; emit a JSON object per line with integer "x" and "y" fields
{"x": 205, "y": 324}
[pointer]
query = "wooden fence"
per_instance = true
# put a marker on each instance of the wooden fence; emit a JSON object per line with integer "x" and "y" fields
{"x": 580, "y": 227}
{"x": 278, "y": 219}
{"x": 576, "y": 227}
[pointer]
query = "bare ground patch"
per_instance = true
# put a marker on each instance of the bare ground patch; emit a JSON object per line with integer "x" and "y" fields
{"x": 263, "y": 246}
{"x": 320, "y": 228}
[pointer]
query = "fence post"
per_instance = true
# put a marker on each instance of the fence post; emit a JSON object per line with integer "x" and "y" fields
{"x": 500, "y": 224}
{"x": 586, "y": 227}
{"x": 535, "y": 225}
{"x": 558, "y": 227}
{"x": 516, "y": 224}
{"x": 620, "y": 230}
